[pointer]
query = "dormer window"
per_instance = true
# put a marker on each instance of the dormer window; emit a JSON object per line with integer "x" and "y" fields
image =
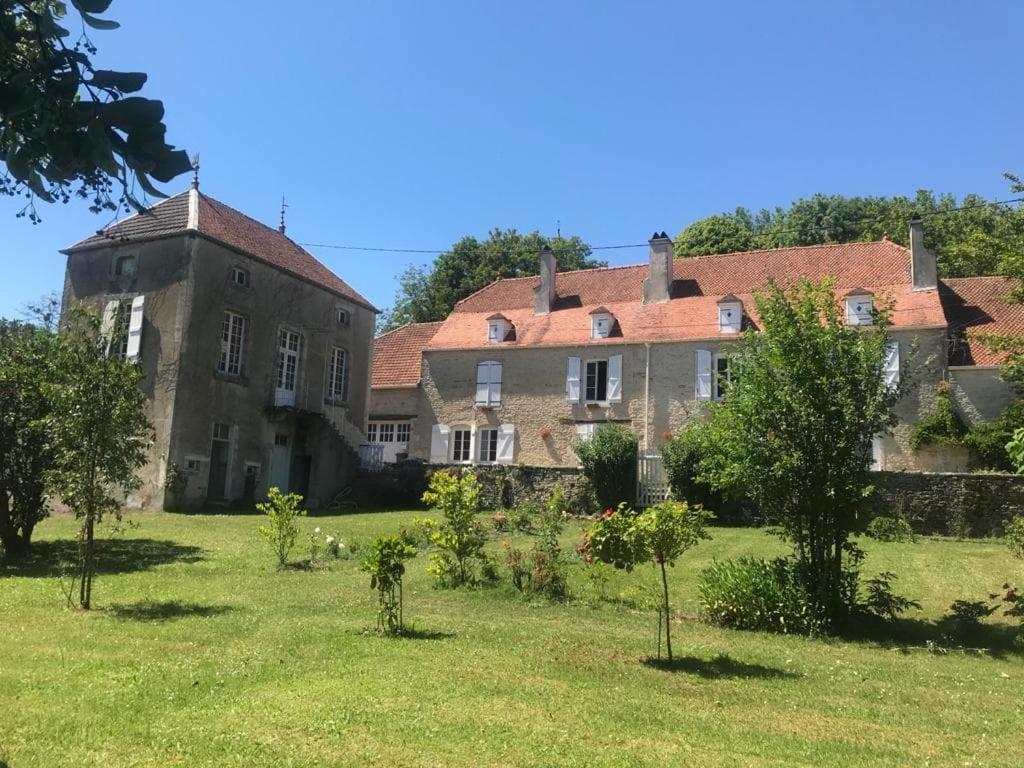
{"x": 730, "y": 314}
{"x": 859, "y": 307}
{"x": 497, "y": 329}
{"x": 126, "y": 265}
{"x": 601, "y": 321}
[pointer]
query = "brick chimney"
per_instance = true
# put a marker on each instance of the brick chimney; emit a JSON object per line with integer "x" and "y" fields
{"x": 544, "y": 294}
{"x": 924, "y": 274}
{"x": 658, "y": 285}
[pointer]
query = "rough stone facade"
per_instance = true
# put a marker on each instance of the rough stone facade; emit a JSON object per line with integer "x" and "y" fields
{"x": 954, "y": 504}
{"x": 187, "y": 283}
{"x": 980, "y": 392}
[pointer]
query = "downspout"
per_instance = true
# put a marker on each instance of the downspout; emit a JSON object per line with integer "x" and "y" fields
{"x": 647, "y": 398}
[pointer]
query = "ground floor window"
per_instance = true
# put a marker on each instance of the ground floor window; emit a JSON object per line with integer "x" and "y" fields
{"x": 488, "y": 439}
{"x": 388, "y": 431}
{"x": 460, "y": 444}
{"x": 402, "y": 432}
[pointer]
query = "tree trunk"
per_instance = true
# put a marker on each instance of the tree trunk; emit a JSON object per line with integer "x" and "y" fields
{"x": 668, "y": 620}
{"x": 85, "y": 583}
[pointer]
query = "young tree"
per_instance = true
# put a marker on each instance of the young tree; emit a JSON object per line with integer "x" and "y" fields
{"x": 808, "y": 393}
{"x": 459, "y": 535}
{"x": 660, "y": 534}
{"x": 69, "y": 128}
{"x": 26, "y": 370}
{"x": 385, "y": 562}
{"x": 99, "y": 433}
{"x": 281, "y": 529}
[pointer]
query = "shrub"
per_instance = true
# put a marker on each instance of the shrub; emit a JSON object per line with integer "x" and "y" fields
{"x": 543, "y": 571}
{"x": 988, "y": 440}
{"x": 385, "y": 562}
{"x": 609, "y": 461}
{"x": 764, "y": 595}
{"x": 882, "y": 601}
{"x": 682, "y": 455}
{"x": 884, "y": 528}
{"x": 943, "y": 426}
{"x": 282, "y": 528}
{"x": 460, "y": 536}
{"x": 501, "y": 523}
{"x": 522, "y": 517}
{"x": 324, "y": 545}
{"x": 1015, "y": 449}
{"x": 1014, "y": 535}
{"x": 598, "y": 575}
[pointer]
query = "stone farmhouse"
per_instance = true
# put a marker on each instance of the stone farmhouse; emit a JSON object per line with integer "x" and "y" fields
{"x": 525, "y": 367}
{"x": 256, "y": 357}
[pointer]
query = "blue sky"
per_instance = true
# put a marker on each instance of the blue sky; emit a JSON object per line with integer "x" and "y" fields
{"x": 411, "y": 124}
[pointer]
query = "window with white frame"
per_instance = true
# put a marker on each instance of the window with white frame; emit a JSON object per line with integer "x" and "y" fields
{"x": 221, "y": 431}
{"x": 461, "y": 439}
{"x": 730, "y": 317}
{"x": 342, "y": 316}
{"x": 600, "y": 325}
{"x": 232, "y": 344}
{"x": 386, "y": 433}
{"x": 337, "y": 379}
{"x": 722, "y": 376}
{"x": 192, "y": 465}
{"x": 497, "y": 329}
{"x": 487, "y": 439}
{"x": 402, "y": 431}
{"x": 371, "y": 432}
{"x": 596, "y": 390}
{"x": 585, "y": 431}
{"x": 488, "y": 383}
{"x": 119, "y": 333}
{"x": 859, "y": 309}
{"x": 240, "y": 277}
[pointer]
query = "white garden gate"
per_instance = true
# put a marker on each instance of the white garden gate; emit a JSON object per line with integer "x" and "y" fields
{"x": 651, "y": 481}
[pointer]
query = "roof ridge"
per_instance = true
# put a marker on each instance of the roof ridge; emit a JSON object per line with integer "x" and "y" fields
{"x": 407, "y": 325}
{"x": 103, "y": 232}
{"x": 977, "y": 277}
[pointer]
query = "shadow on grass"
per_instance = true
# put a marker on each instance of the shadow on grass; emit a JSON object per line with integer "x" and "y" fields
{"x": 51, "y": 558}
{"x": 168, "y": 610}
{"x": 718, "y": 667}
{"x": 995, "y": 640}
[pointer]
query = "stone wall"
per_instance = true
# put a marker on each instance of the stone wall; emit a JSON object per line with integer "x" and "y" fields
{"x": 954, "y": 504}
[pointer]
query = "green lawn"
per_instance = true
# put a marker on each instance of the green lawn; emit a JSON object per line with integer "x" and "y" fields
{"x": 202, "y": 653}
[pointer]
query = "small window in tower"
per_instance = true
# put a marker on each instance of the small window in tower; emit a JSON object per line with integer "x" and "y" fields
{"x": 240, "y": 277}
{"x": 126, "y": 265}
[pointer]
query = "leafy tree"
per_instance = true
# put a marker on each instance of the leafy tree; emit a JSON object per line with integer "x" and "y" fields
{"x": 281, "y": 529}
{"x": 723, "y": 233}
{"x": 385, "y": 562}
{"x": 807, "y": 396}
{"x": 660, "y": 534}
{"x": 608, "y": 459}
{"x": 427, "y": 294}
{"x": 459, "y": 536}
{"x": 99, "y": 434}
{"x": 68, "y": 128}
{"x": 26, "y": 375}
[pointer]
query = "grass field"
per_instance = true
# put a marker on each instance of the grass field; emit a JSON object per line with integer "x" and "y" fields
{"x": 201, "y": 653}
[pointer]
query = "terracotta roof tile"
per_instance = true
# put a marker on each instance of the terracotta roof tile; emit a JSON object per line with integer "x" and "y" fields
{"x": 979, "y": 305}
{"x": 397, "y": 355}
{"x": 699, "y": 283}
{"x": 230, "y": 227}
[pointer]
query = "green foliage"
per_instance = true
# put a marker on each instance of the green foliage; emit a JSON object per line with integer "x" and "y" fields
{"x": 978, "y": 240}
{"x": 608, "y": 459}
{"x": 459, "y": 536}
{"x": 988, "y": 440}
{"x": 943, "y": 425}
{"x": 882, "y": 601}
{"x": 543, "y": 570}
{"x": 884, "y": 528}
{"x": 68, "y": 128}
{"x": 98, "y": 432}
{"x": 660, "y": 534}
{"x": 1015, "y": 449}
{"x": 1014, "y": 535}
{"x": 27, "y": 379}
{"x": 385, "y": 562}
{"x": 808, "y": 394}
{"x": 683, "y": 454}
{"x": 426, "y": 294}
{"x": 760, "y": 595}
{"x": 281, "y": 529}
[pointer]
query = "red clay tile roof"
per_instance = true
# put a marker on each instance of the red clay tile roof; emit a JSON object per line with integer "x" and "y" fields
{"x": 692, "y": 313}
{"x": 977, "y": 305}
{"x": 225, "y": 225}
{"x": 397, "y": 355}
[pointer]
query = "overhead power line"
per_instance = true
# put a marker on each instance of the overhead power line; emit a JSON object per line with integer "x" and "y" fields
{"x": 768, "y": 233}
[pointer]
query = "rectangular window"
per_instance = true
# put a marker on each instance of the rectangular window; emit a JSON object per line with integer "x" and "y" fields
{"x": 221, "y": 431}
{"x": 488, "y": 384}
{"x": 722, "y": 376}
{"x": 597, "y": 381}
{"x": 460, "y": 445}
{"x": 488, "y": 439}
{"x": 122, "y": 327}
{"x": 232, "y": 344}
{"x": 402, "y": 432}
{"x": 281, "y": 440}
{"x": 337, "y": 382}
{"x": 239, "y": 277}
{"x": 371, "y": 432}
{"x": 192, "y": 465}
{"x": 387, "y": 433}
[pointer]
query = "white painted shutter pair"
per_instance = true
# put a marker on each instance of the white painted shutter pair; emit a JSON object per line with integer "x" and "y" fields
{"x": 134, "y": 326}
{"x": 702, "y": 385}
{"x": 614, "y": 384}
{"x": 488, "y": 383}
{"x": 892, "y": 364}
{"x": 441, "y": 433}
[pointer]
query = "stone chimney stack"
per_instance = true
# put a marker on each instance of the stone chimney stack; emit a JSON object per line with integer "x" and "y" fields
{"x": 544, "y": 294}
{"x": 924, "y": 274}
{"x": 658, "y": 285}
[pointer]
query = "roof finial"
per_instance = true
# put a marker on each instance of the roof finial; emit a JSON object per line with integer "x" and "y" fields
{"x": 195, "y": 171}
{"x": 283, "y": 206}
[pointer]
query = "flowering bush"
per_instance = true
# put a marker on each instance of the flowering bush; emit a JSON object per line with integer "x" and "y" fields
{"x": 324, "y": 545}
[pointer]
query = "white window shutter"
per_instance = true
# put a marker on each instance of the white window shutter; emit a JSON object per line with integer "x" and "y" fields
{"x": 107, "y": 322}
{"x": 572, "y": 380}
{"x": 506, "y": 443}
{"x": 615, "y": 379}
{"x": 892, "y": 364}
{"x": 439, "y": 443}
{"x": 135, "y": 329}
{"x": 495, "y": 383}
{"x": 703, "y": 384}
{"x": 482, "y": 382}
